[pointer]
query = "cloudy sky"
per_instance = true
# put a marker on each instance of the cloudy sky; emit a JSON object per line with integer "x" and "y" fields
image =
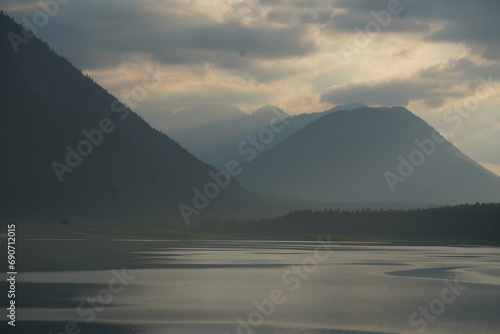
{"x": 438, "y": 58}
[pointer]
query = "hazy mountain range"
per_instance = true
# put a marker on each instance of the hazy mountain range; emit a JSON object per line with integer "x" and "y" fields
{"x": 350, "y": 153}
{"x": 70, "y": 150}
{"x": 214, "y": 133}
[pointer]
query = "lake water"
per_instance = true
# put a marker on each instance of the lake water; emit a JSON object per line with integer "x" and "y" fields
{"x": 213, "y": 286}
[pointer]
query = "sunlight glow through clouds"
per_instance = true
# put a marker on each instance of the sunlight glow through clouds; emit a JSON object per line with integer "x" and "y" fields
{"x": 286, "y": 53}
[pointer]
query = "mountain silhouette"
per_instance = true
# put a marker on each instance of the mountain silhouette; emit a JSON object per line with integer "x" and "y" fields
{"x": 71, "y": 150}
{"x": 213, "y": 133}
{"x": 371, "y": 155}
{"x": 217, "y": 134}
{"x": 297, "y": 122}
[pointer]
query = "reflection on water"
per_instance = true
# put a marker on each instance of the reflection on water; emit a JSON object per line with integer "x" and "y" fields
{"x": 232, "y": 287}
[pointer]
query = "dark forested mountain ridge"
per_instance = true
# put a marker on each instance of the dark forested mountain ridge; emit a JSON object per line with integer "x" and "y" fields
{"x": 70, "y": 149}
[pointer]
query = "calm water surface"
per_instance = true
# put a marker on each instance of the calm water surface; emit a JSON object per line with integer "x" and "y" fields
{"x": 153, "y": 287}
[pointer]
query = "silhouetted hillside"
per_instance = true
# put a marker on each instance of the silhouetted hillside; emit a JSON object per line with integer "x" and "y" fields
{"x": 217, "y": 134}
{"x": 131, "y": 173}
{"x": 295, "y": 123}
{"x": 371, "y": 155}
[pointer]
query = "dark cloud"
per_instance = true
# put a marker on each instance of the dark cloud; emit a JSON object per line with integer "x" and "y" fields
{"x": 100, "y": 34}
{"x": 475, "y": 23}
{"x": 398, "y": 92}
{"x": 433, "y": 85}
{"x": 95, "y": 34}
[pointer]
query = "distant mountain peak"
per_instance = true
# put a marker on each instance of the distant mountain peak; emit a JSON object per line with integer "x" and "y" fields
{"x": 267, "y": 110}
{"x": 346, "y": 156}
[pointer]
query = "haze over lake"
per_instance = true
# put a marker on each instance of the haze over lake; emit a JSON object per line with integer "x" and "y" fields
{"x": 214, "y": 286}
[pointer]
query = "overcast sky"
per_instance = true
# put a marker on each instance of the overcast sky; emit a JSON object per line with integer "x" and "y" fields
{"x": 300, "y": 55}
